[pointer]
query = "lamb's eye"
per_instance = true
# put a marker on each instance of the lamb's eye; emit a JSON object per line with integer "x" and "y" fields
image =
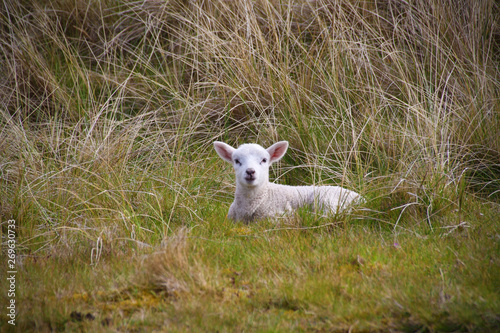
{"x": 264, "y": 160}
{"x": 237, "y": 161}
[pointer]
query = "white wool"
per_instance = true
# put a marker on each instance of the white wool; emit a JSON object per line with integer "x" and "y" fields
{"x": 256, "y": 198}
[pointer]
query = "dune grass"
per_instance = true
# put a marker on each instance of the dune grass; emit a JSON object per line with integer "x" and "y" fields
{"x": 108, "y": 111}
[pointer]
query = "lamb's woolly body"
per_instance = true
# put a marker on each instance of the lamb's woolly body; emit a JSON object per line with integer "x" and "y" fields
{"x": 277, "y": 200}
{"x": 257, "y": 198}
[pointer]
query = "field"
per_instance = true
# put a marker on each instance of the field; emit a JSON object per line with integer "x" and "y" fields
{"x": 113, "y": 201}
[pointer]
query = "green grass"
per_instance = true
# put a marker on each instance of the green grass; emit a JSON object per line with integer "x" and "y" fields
{"x": 226, "y": 277}
{"x": 108, "y": 111}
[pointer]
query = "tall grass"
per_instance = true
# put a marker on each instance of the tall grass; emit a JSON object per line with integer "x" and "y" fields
{"x": 398, "y": 95}
{"x": 108, "y": 110}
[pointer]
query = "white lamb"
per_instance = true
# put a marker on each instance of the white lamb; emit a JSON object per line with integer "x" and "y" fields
{"x": 257, "y": 198}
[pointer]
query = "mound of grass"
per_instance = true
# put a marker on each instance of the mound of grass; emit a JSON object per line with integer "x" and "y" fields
{"x": 108, "y": 111}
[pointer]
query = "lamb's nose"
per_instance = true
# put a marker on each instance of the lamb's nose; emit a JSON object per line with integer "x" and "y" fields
{"x": 250, "y": 171}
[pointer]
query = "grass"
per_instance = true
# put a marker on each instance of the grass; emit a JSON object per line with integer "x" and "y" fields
{"x": 108, "y": 113}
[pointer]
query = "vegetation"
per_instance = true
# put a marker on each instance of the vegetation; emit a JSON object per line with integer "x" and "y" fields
{"x": 108, "y": 111}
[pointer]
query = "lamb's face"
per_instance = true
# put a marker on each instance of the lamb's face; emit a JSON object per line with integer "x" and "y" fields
{"x": 251, "y": 164}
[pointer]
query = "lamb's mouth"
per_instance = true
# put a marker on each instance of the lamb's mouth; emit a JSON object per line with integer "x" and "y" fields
{"x": 249, "y": 178}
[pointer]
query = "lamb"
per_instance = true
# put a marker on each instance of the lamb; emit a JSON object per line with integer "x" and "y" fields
{"x": 257, "y": 198}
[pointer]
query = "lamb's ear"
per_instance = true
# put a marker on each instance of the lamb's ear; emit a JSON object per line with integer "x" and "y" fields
{"x": 277, "y": 151}
{"x": 224, "y": 150}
